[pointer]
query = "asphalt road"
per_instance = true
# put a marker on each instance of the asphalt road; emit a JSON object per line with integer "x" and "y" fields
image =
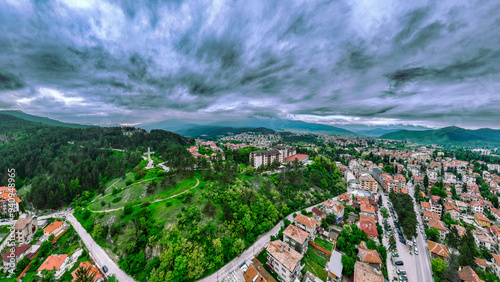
{"x": 417, "y": 267}
{"x": 99, "y": 255}
{"x": 249, "y": 253}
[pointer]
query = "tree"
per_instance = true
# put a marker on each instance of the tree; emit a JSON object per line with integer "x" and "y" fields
{"x": 467, "y": 249}
{"x": 384, "y": 212}
{"x": 453, "y": 238}
{"x": 464, "y": 188}
{"x": 438, "y": 266}
{"x": 98, "y": 232}
{"x": 432, "y": 234}
{"x": 426, "y": 183}
{"x": 348, "y": 264}
{"x": 451, "y": 272}
{"x": 48, "y": 276}
{"x": 83, "y": 274}
{"x": 371, "y": 244}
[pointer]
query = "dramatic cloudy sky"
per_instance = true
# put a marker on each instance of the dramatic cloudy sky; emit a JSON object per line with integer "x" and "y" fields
{"x": 435, "y": 63}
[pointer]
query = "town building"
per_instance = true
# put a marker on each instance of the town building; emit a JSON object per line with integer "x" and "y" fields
{"x": 24, "y": 229}
{"x": 439, "y": 251}
{"x": 55, "y": 263}
{"x": 438, "y": 224}
{"x": 98, "y": 277}
{"x": 306, "y": 223}
{"x": 367, "y": 182}
{"x": 482, "y": 220}
{"x": 365, "y": 273}
{"x": 495, "y": 263}
{"x": 54, "y": 228}
{"x": 284, "y": 261}
{"x": 10, "y": 259}
{"x": 467, "y": 274}
{"x": 296, "y": 238}
{"x": 9, "y": 202}
{"x": 335, "y": 267}
{"x": 275, "y": 154}
{"x": 452, "y": 210}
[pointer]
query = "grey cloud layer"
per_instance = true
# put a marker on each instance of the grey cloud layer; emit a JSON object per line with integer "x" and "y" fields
{"x": 130, "y": 61}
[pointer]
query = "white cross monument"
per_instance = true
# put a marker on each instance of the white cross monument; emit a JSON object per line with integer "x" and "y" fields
{"x": 150, "y": 161}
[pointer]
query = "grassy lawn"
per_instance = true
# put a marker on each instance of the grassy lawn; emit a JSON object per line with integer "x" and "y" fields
{"x": 324, "y": 243}
{"x": 315, "y": 262}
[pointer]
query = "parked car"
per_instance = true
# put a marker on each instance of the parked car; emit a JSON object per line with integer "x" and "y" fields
{"x": 398, "y": 262}
{"x": 395, "y": 254}
{"x": 414, "y": 242}
{"x": 401, "y": 272}
{"x": 403, "y": 278}
{"x": 416, "y": 251}
{"x": 104, "y": 268}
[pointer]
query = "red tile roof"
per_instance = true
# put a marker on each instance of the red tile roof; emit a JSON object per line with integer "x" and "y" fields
{"x": 53, "y": 261}
{"x": 307, "y": 221}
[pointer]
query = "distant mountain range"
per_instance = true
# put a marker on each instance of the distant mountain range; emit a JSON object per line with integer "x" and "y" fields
{"x": 197, "y": 126}
{"x": 378, "y": 130}
{"x": 206, "y": 130}
{"x": 449, "y": 136}
{"x": 42, "y": 120}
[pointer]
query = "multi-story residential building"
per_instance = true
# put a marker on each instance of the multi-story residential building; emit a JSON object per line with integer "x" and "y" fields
{"x": 11, "y": 258}
{"x": 54, "y": 228}
{"x": 482, "y": 220}
{"x": 452, "y": 210}
{"x": 450, "y": 178}
{"x": 483, "y": 240}
{"x": 24, "y": 229}
{"x": 462, "y": 206}
{"x": 435, "y": 207}
{"x": 370, "y": 257}
{"x": 467, "y": 274}
{"x": 496, "y": 264}
{"x": 331, "y": 206}
{"x": 476, "y": 207}
{"x": 367, "y": 182}
{"x": 306, "y": 223}
{"x": 432, "y": 175}
{"x": 296, "y": 238}
{"x": 275, "y": 154}
{"x": 368, "y": 225}
{"x": 284, "y": 260}
{"x": 496, "y": 213}
{"x": 438, "y": 224}
{"x": 9, "y": 202}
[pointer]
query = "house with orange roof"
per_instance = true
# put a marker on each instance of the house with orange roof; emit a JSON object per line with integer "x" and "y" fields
{"x": 54, "y": 228}
{"x": 256, "y": 272}
{"x": 331, "y": 206}
{"x": 481, "y": 263}
{"x": 9, "y": 202}
{"x": 439, "y": 250}
{"x": 368, "y": 210}
{"x": 482, "y": 220}
{"x": 296, "y": 238}
{"x": 467, "y": 274}
{"x": 55, "y": 263}
{"x": 370, "y": 257}
{"x": 461, "y": 230}
{"x": 438, "y": 224}
{"x": 495, "y": 263}
{"x": 368, "y": 225}
{"x": 428, "y": 215}
{"x": 306, "y": 223}
{"x": 346, "y": 198}
{"x": 452, "y": 210}
{"x": 496, "y": 213}
{"x": 476, "y": 207}
{"x": 92, "y": 270}
{"x": 495, "y": 231}
{"x": 462, "y": 206}
{"x": 425, "y": 206}
{"x": 284, "y": 261}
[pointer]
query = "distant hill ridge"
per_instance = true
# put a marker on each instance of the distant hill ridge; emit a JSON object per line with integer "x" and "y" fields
{"x": 451, "y": 135}
{"x": 43, "y": 120}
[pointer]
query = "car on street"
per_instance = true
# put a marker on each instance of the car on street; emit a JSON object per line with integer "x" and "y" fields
{"x": 395, "y": 254}
{"x": 104, "y": 268}
{"x": 401, "y": 272}
{"x": 398, "y": 262}
{"x": 416, "y": 251}
{"x": 403, "y": 278}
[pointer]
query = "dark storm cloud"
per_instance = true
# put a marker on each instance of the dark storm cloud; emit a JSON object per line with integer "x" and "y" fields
{"x": 9, "y": 81}
{"x": 133, "y": 61}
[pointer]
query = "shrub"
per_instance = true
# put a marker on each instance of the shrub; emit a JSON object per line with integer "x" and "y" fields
{"x": 128, "y": 209}
{"x": 128, "y": 182}
{"x": 145, "y": 204}
{"x": 116, "y": 200}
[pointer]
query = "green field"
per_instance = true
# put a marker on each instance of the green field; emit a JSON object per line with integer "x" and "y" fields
{"x": 315, "y": 262}
{"x": 324, "y": 243}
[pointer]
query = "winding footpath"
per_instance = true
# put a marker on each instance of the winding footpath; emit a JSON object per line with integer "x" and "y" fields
{"x": 252, "y": 251}
{"x": 157, "y": 200}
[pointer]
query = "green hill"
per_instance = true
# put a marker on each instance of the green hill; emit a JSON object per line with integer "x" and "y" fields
{"x": 42, "y": 120}
{"x": 449, "y": 136}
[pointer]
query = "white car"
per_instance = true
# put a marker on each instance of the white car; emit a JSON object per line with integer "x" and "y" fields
{"x": 416, "y": 251}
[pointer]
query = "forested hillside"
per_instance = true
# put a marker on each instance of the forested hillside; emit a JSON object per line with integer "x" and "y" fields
{"x": 59, "y": 163}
